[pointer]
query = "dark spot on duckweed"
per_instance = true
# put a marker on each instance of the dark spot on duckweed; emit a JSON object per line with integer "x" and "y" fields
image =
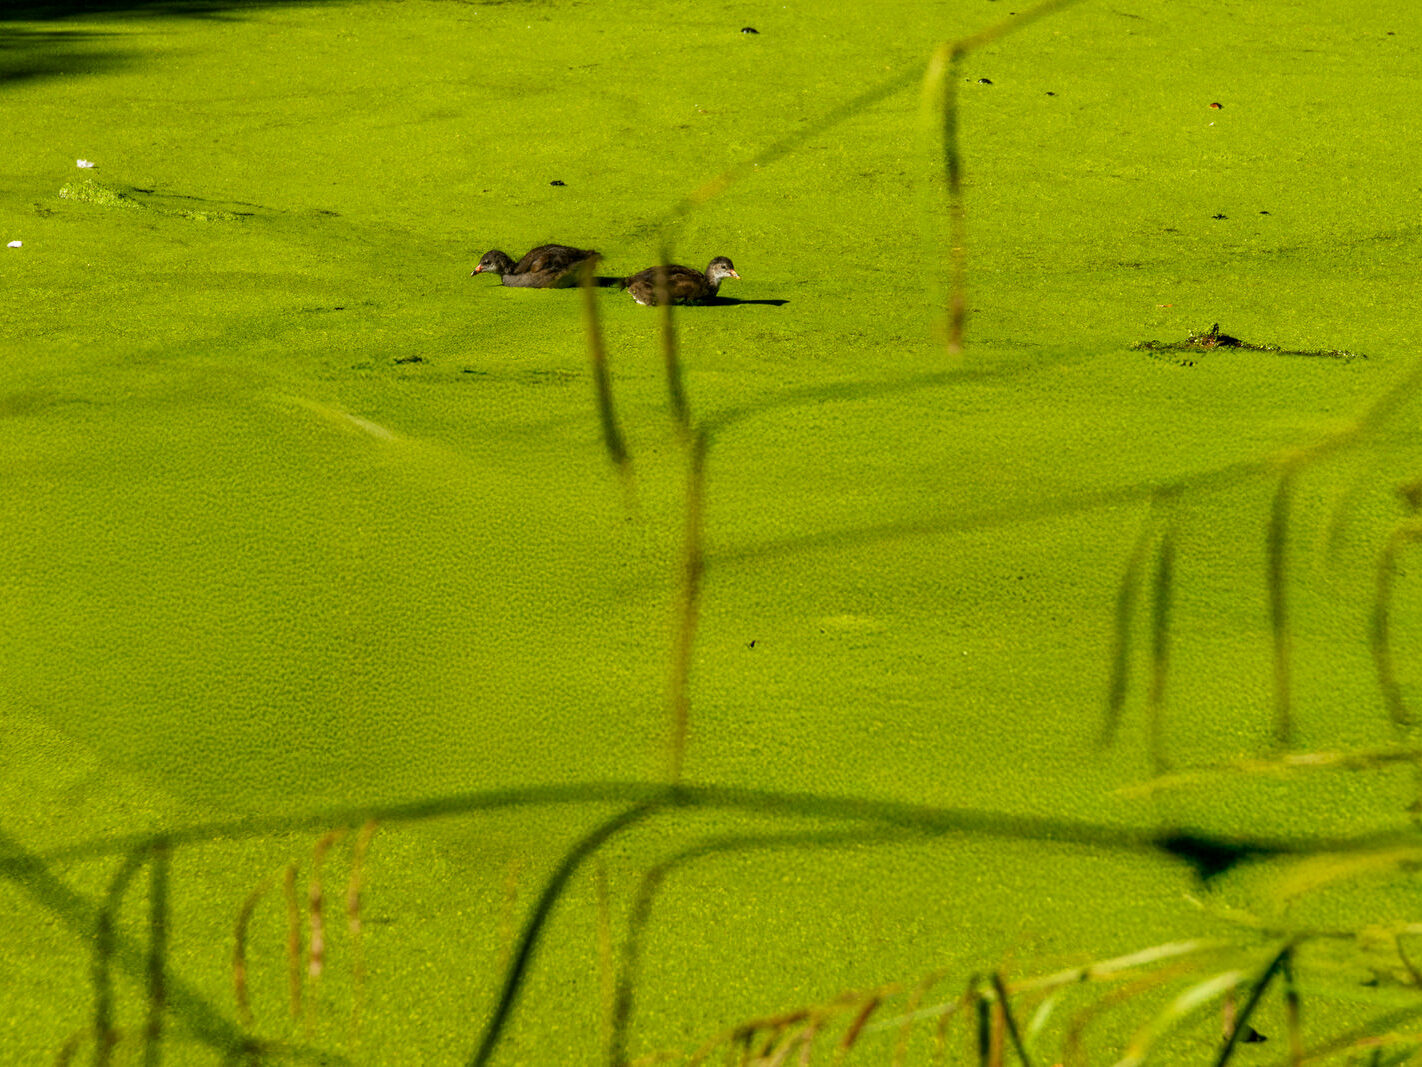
{"x": 749, "y": 29}
{"x": 1219, "y": 216}
{"x": 558, "y": 183}
{"x": 409, "y": 359}
{"x": 984, "y": 81}
{"x": 1217, "y": 105}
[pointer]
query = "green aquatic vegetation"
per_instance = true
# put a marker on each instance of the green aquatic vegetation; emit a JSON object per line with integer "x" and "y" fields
{"x": 783, "y": 660}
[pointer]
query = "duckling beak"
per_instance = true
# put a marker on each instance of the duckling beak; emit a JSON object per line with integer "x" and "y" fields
{"x": 733, "y": 274}
{"x": 477, "y": 270}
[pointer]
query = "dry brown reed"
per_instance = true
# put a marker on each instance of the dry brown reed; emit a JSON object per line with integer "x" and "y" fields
{"x": 239, "y": 951}
{"x": 353, "y": 919}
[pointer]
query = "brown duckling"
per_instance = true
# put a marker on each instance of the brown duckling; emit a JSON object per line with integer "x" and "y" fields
{"x": 684, "y": 285}
{"x": 546, "y": 267}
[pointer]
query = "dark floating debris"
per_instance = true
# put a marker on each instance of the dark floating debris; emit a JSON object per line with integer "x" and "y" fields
{"x": 1213, "y": 339}
{"x": 749, "y": 29}
{"x": 1219, "y": 216}
{"x": 558, "y": 183}
{"x": 409, "y": 359}
{"x": 1263, "y": 212}
{"x": 1217, "y": 106}
{"x": 1050, "y": 93}
{"x": 984, "y": 81}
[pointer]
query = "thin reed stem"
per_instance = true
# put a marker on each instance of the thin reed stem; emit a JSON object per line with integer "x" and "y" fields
{"x": 1011, "y": 1024}
{"x": 316, "y": 905}
{"x": 353, "y": 919}
{"x": 239, "y": 951}
{"x": 1280, "y": 961}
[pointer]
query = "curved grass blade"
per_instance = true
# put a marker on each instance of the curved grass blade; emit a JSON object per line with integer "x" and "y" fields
{"x": 1193, "y": 998}
{"x": 239, "y": 951}
{"x": 533, "y": 928}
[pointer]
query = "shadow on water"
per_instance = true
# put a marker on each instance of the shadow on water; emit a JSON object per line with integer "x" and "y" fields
{"x": 731, "y": 301}
{"x": 51, "y": 10}
{"x": 26, "y": 54}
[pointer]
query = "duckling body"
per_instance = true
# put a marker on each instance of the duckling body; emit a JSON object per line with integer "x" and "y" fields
{"x": 545, "y": 267}
{"x": 684, "y": 285}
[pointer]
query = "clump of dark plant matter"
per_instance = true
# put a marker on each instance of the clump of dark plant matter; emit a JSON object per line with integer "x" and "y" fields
{"x": 1213, "y": 339}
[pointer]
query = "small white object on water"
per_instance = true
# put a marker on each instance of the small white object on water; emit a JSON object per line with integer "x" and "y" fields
{"x": 83, "y": 162}
{"x": 15, "y": 244}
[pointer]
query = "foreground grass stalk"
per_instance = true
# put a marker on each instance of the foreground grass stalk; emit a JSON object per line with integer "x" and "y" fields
{"x": 239, "y": 952}
{"x": 533, "y": 928}
{"x": 1278, "y": 963}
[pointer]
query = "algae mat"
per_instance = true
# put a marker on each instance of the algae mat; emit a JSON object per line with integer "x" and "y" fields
{"x": 304, "y": 525}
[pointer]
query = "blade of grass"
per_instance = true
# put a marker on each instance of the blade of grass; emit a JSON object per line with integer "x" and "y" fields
{"x": 1006, "y": 1008}
{"x": 856, "y": 1027}
{"x": 353, "y": 920}
{"x": 316, "y": 904}
{"x": 533, "y": 927}
{"x": 1193, "y": 998}
{"x": 239, "y": 951}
